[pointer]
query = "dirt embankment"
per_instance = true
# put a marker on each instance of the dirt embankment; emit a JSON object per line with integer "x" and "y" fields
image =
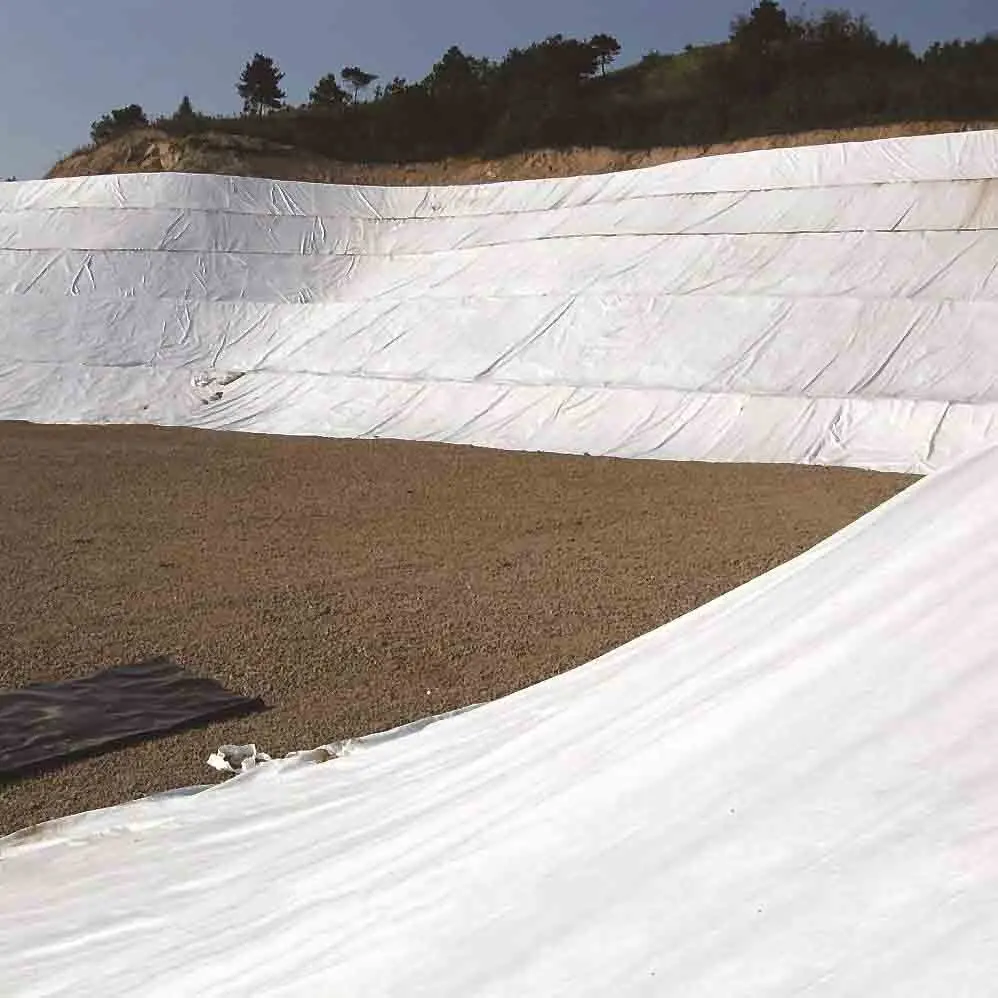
{"x": 152, "y": 151}
{"x": 356, "y": 585}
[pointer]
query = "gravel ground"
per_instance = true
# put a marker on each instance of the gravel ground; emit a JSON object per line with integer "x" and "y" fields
{"x": 356, "y": 585}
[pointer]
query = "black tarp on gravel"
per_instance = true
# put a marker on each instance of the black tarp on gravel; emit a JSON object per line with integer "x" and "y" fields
{"x": 48, "y": 723}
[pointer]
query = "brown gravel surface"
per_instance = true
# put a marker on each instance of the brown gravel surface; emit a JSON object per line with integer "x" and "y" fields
{"x": 356, "y": 585}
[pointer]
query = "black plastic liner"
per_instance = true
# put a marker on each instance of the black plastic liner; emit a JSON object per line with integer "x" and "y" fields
{"x": 48, "y": 723}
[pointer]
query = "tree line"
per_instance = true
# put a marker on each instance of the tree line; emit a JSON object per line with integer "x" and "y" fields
{"x": 776, "y": 72}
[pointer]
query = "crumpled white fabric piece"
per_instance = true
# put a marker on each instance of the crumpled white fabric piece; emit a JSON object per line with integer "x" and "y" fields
{"x": 237, "y": 758}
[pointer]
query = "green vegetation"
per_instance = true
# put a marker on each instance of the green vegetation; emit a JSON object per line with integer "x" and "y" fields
{"x": 776, "y": 73}
{"x": 117, "y": 122}
{"x": 358, "y": 79}
{"x": 260, "y": 86}
{"x": 327, "y": 93}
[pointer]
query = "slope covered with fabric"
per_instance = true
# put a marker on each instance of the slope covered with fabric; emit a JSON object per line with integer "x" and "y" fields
{"x": 793, "y": 789}
{"x": 834, "y": 304}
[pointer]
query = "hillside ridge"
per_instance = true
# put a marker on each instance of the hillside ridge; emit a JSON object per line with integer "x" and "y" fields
{"x": 151, "y": 150}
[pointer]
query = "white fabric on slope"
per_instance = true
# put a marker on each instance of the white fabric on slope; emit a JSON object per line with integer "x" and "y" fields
{"x": 695, "y": 303}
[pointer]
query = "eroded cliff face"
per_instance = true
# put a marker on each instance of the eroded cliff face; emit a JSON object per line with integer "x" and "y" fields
{"x": 152, "y": 151}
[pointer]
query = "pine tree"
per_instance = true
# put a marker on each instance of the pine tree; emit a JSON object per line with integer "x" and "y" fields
{"x": 260, "y": 85}
{"x": 328, "y": 93}
{"x": 358, "y": 79}
{"x": 607, "y": 48}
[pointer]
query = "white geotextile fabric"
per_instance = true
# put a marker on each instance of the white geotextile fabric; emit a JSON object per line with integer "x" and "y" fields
{"x": 835, "y": 304}
{"x": 792, "y": 790}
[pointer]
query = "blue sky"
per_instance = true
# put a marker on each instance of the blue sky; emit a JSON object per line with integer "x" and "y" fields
{"x": 64, "y": 63}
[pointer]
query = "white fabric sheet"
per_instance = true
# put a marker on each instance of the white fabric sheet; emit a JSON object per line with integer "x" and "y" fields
{"x": 835, "y": 304}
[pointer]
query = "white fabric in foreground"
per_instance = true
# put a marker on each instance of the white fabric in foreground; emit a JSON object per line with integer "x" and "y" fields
{"x": 835, "y": 304}
{"x": 791, "y": 790}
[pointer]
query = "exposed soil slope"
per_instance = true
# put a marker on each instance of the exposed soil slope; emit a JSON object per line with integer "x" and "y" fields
{"x": 152, "y": 151}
